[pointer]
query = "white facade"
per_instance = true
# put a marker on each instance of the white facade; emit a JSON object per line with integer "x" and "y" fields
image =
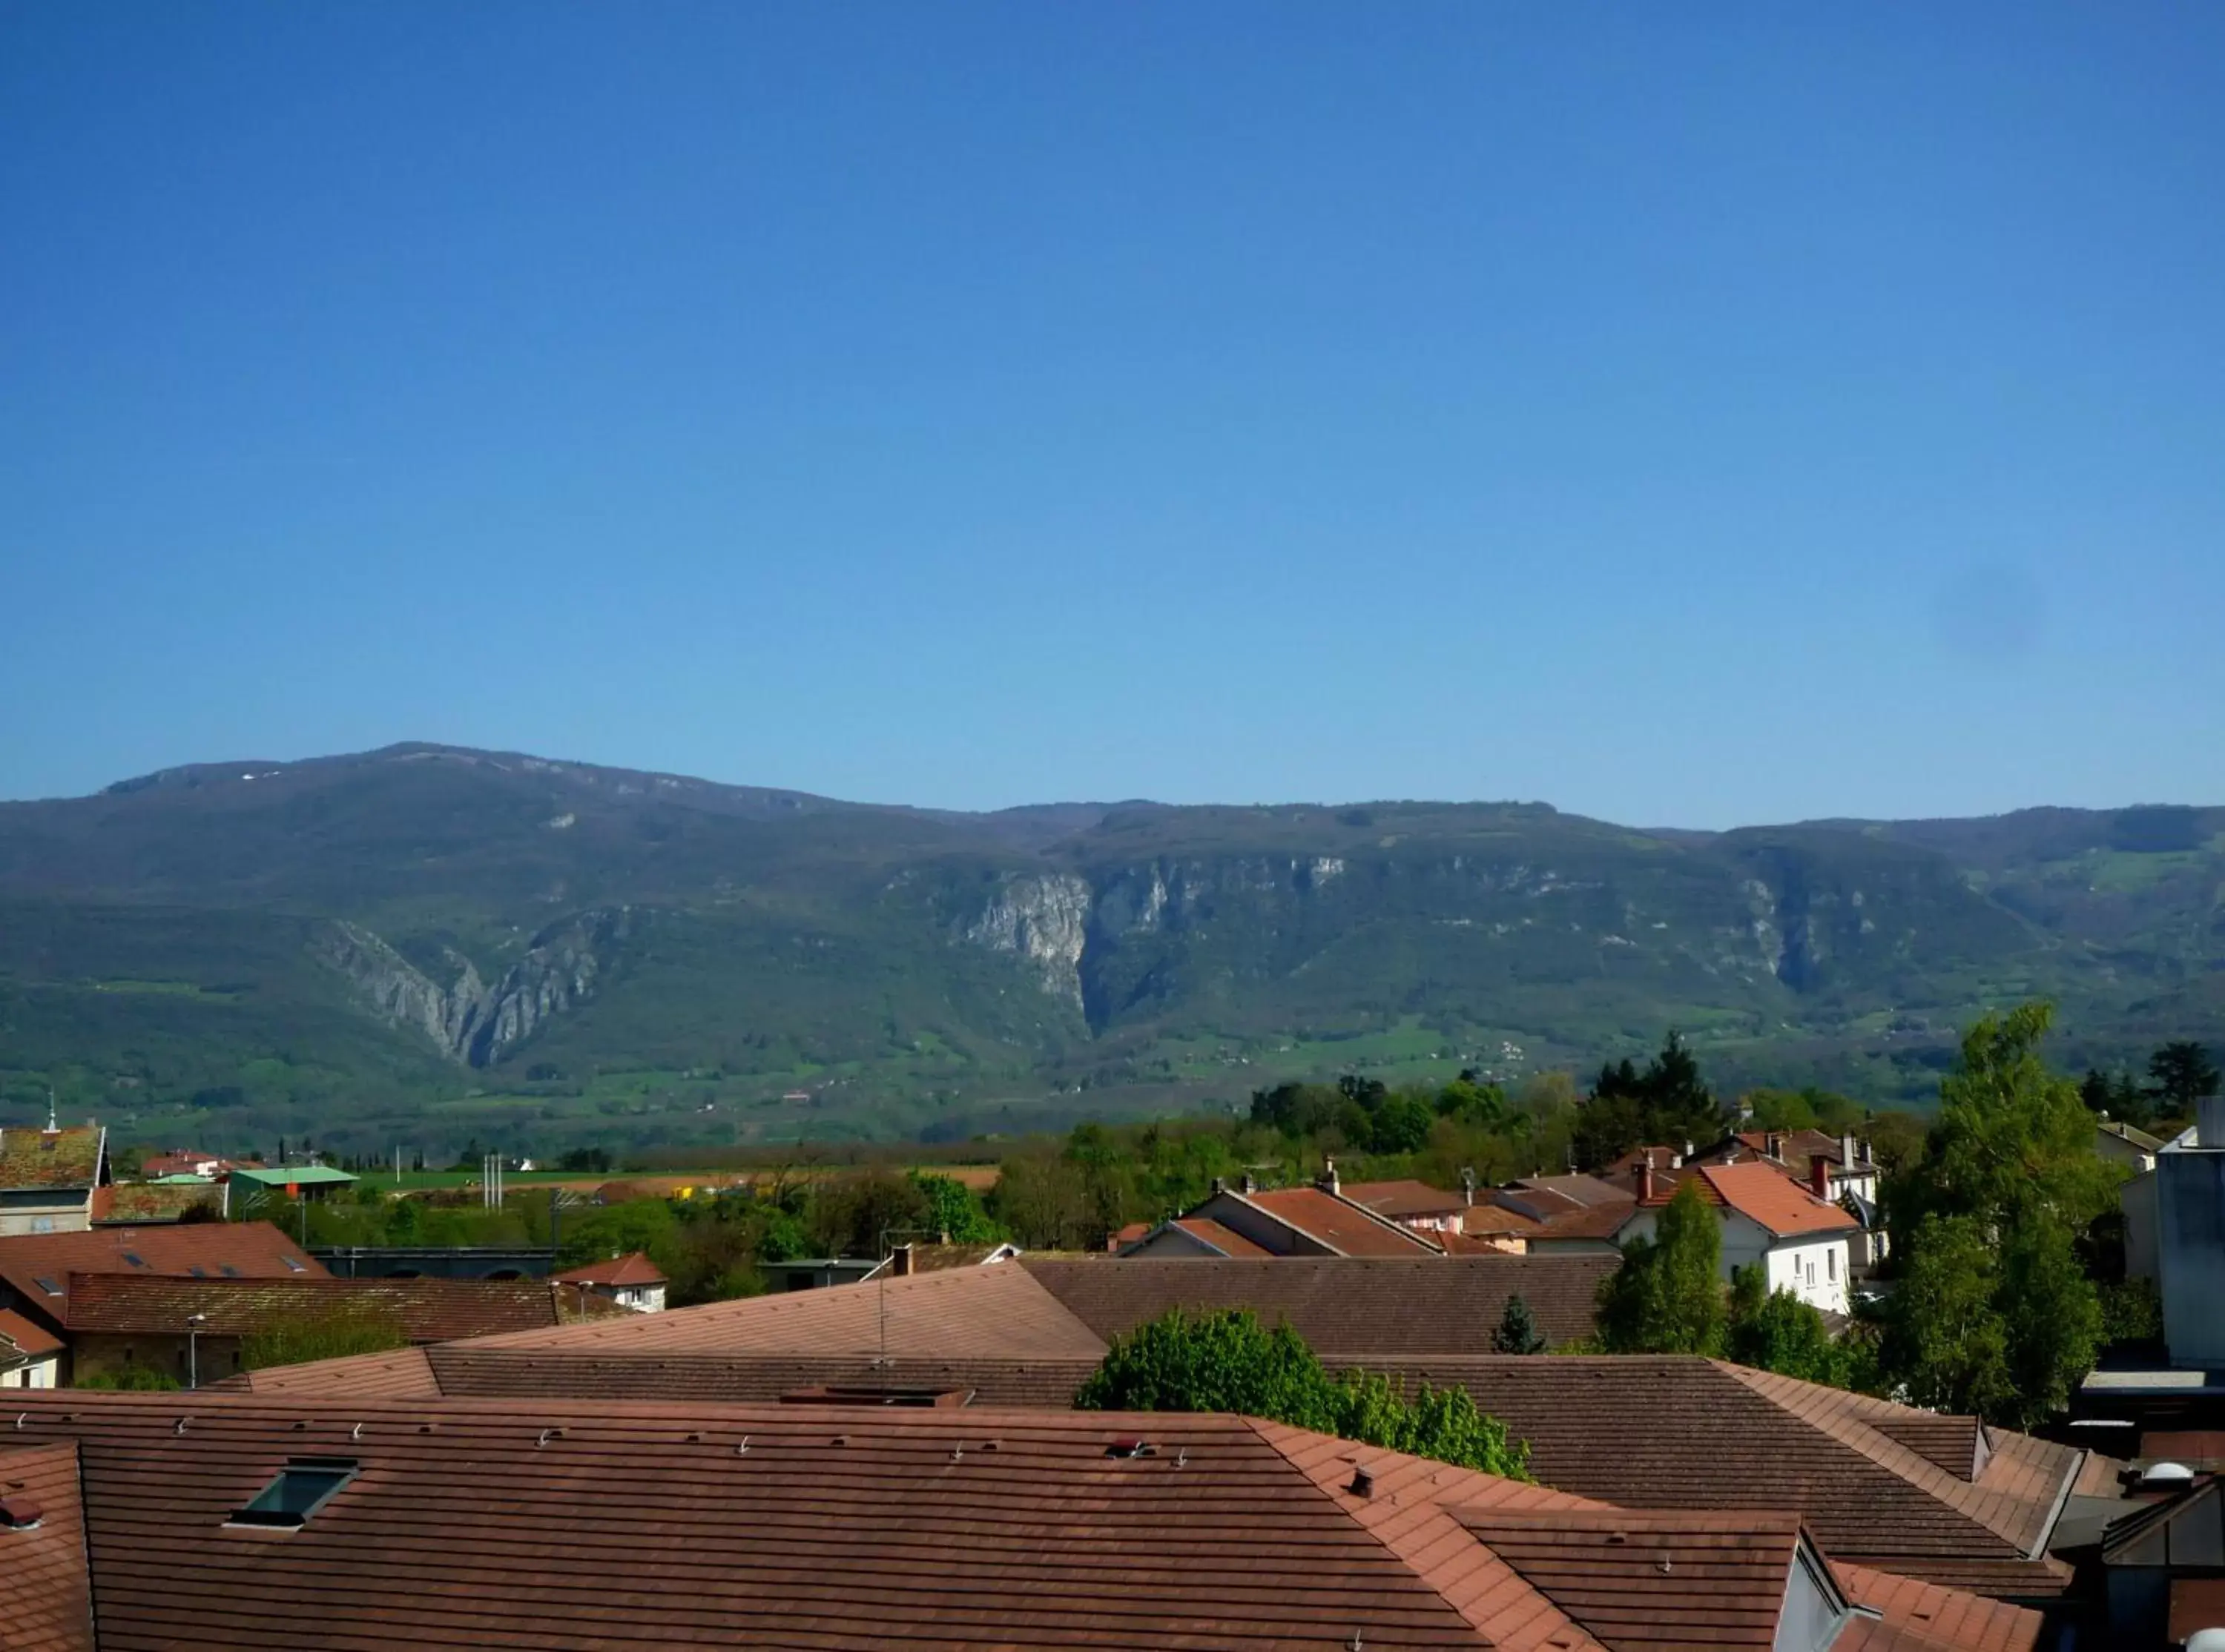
{"x": 1812, "y": 1266}
{"x": 41, "y": 1372}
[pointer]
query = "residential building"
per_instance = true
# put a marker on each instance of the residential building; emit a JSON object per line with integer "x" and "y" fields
{"x": 290, "y": 1180}
{"x": 632, "y": 1281}
{"x": 1850, "y": 1170}
{"x": 30, "y": 1355}
{"x": 37, "y": 1270}
{"x": 530, "y": 1524}
{"x": 196, "y": 1330}
{"x": 179, "y": 1198}
{"x": 183, "y": 1162}
{"x": 2180, "y": 1207}
{"x": 48, "y": 1177}
{"x": 2118, "y": 1143}
{"x": 1415, "y": 1204}
{"x": 1248, "y": 1220}
{"x": 1798, "y": 1238}
{"x": 437, "y": 1261}
{"x": 915, "y": 1259}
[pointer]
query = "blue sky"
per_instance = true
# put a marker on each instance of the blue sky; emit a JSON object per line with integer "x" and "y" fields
{"x": 1688, "y": 415}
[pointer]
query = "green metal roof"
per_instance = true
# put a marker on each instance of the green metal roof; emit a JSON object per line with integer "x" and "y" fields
{"x": 300, "y": 1175}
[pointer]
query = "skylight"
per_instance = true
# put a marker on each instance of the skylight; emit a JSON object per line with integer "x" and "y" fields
{"x": 303, "y": 1486}
{"x": 48, "y": 1285}
{"x": 227, "y": 1270}
{"x": 293, "y": 1266}
{"x": 198, "y": 1272}
{"x": 135, "y": 1258}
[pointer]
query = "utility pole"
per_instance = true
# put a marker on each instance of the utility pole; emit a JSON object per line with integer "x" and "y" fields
{"x": 194, "y": 1324}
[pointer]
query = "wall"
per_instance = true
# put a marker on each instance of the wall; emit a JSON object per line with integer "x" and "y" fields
{"x": 2191, "y": 1253}
{"x": 101, "y": 1352}
{"x": 44, "y": 1372}
{"x": 1269, "y": 1233}
{"x": 29, "y": 1211}
{"x": 2137, "y": 1198}
{"x": 1745, "y": 1242}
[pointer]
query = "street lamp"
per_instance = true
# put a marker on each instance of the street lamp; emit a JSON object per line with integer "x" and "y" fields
{"x": 194, "y": 1324}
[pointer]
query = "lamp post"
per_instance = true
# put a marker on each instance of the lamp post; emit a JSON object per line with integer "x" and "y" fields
{"x": 194, "y": 1324}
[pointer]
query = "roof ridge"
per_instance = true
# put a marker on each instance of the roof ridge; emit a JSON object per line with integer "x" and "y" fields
{"x": 1872, "y": 1442}
{"x": 1545, "y": 1625}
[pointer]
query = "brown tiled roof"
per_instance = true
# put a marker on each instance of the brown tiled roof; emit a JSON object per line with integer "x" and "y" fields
{"x": 934, "y": 1258}
{"x": 149, "y": 1201}
{"x": 1225, "y": 1240}
{"x": 1946, "y": 1617}
{"x": 472, "y": 1523}
{"x": 1347, "y": 1228}
{"x": 1574, "y": 1188}
{"x": 46, "y": 1600}
{"x": 402, "y": 1373}
{"x": 1639, "y": 1579}
{"x": 1601, "y": 1221}
{"x": 959, "y": 1313}
{"x": 1340, "y": 1305}
{"x": 1719, "y": 1436}
{"x": 633, "y": 1269}
{"x": 1401, "y": 1200}
{"x": 423, "y": 1310}
{"x": 26, "y": 1337}
{"x": 180, "y": 1162}
{"x": 57, "y": 1158}
{"x": 31, "y": 1261}
{"x": 1487, "y": 1219}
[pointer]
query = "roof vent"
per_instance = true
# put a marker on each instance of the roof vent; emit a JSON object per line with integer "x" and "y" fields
{"x": 19, "y": 1513}
{"x": 1131, "y": 1448}
{"x": 2157, "y": 1475}
{"x": 1363, "y": 1481}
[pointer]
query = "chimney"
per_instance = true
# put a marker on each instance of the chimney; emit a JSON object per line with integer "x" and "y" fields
{"x": 1250, "y": 1184}
{"x": 1773, "y": 1144}
{"x": 1328, "y": 1182}
{"x": 900, "y": 1262}
{"x": 1641, "y": 1175}
{"x": 1218, "y": 1187}
{"x": 1819, "y": 1176}
{"x": 1467, "y": 1186}
{"x": 1846, "y": 1146}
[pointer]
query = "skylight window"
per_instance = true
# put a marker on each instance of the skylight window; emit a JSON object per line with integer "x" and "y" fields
{"x": 135, "y": 1258}
{"x": 227, "y": 1270}
{"x": 303, "y": 1486}
{"x": 198, "y": 1272}
{"x": 48, "y": 1286}
{"x": 292, "y": 1266}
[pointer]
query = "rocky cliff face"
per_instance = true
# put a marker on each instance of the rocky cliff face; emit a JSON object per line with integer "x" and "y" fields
{"x": 470, "y": 1022}
{"x": 1045, "y": 921}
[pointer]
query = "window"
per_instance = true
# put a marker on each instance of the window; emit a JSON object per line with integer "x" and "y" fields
{"x": 48, "y": 1286}
{"x": 292, "y": 1266}
{"x": 135, "y": 1258}
{"x": 42, "y": 1224}
{"x": 1831, "y": 1265}
{"x": 227, "y": 1270}
{"x": 303, "y": 1486}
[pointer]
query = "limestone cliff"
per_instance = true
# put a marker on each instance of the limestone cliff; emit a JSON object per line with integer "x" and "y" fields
{"x": 471, "y": 1022}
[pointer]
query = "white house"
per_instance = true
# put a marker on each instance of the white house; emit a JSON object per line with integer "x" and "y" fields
{"x": 631, "y": 1282}
{"x": 30, "y": 1355}
{"x": 1799, "y": 1238}
{"x": 48, "y": 1177}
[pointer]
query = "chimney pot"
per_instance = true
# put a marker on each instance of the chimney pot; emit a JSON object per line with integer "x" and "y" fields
{"x": 1467, "y": 1186}
{"x": 1819, "y": 1176}
{"x": 1847, "y": 1153}
{"x": 1328, "y": 1182}
{"x": 1641, "y": 1175}
{"x": 1219, "y": 1186}
{"x": 900, "y": 1262}
{"x": 1251, "y": 1186}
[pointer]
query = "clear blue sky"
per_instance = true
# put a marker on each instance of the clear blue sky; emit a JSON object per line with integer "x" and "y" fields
{"x": 1681, "y": 415}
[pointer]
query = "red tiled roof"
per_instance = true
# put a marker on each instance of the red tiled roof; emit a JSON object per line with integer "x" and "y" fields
{"x": 148, "y": 1201}
{"x": 1586, "y": 1222}
{"x": 1945, "y": 1617}
{"x": 1763, "y": 1193}
{"x": 423, "y": 1310}
{"x": 28, "y": 1338}
{"x": 180, "y": 1162}
{"x": 401, "y": 1374}
{"x": 1347, "y": 1228}
{"x": 1225, "y": 1240}
{"x": 46, "y": 1600}
{"x": 955, "y": 1313}
{"x": 1722, "y": 1436}
{"x": 60, "y": 1160}
{"x": 1400, "y": 1199}
{"x": 29, "y": 1262}
{"x": 1367, "y": 1307}
{"x": 634, "y": 1270}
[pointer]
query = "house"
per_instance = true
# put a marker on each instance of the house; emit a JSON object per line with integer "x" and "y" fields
{"x": 1796, "y": 1235}
{"x": 1567, "y": 1215}
{"x": 632, "y": 1281}
{"x": 2175, "y": 1234}
{"x": 2122, "y": 1144}
{"x": 1851, "y": 1170}
{"x": 183, "y": 1162}
{"x": 1940, "y": 1501}
{"x": 48, "y": 1177}
{"x": 523, "y": 1524}
{"x": 196, "y": 1330}
{"x": 1415, "y": 1204}
{"x": 1247, "y": 1220}
{"x": 30, "y": 1355}
{"x": 179, "y": 1198}
{"x": 913, "y": 1258}
{"x": 37, "y": 1270}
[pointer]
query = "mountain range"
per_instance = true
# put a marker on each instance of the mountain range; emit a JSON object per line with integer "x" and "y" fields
{"x": 426, "y": 943}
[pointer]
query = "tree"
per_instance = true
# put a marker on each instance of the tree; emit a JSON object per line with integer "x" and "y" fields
{"x": 1944, "y": 1337}
{"x": 1667, "y": 1101}
{"x": 1518, "y": 1332}
{"x": 2119, "y": 1095}
{"x": 1775, "y": 1331}
{"x": 1667, "y": 1297}
{"x": 1226, "y": 1361}
{"x": 952, "y": 1208}
{"x": 1401, "y": 1125}
{"x": 2183, "y": 1076}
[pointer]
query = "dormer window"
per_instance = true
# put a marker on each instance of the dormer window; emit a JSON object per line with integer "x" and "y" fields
{"x": 303, "y": 1486}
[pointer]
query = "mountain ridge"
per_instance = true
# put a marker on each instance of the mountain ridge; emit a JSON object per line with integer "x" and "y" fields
{"x": 497, "y": 941}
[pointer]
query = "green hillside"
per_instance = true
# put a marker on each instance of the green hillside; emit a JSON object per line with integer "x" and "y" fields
{"x": 424, "y": 945}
